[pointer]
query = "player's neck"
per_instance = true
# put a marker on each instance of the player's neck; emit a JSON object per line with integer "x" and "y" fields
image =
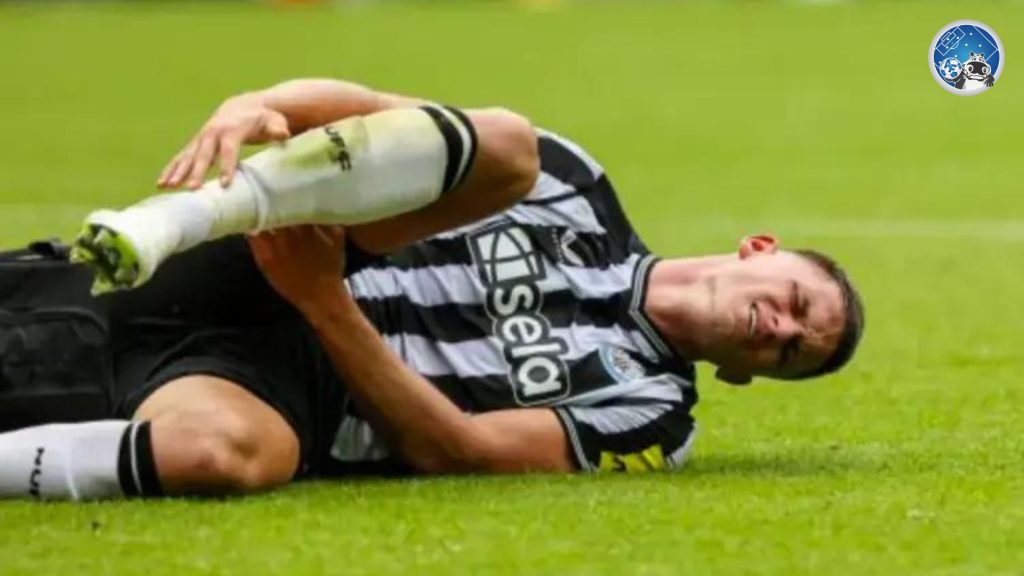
{"x": 677, "y": 300}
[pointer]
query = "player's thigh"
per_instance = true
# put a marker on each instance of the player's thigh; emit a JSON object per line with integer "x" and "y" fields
{"x": 213, "y": 435}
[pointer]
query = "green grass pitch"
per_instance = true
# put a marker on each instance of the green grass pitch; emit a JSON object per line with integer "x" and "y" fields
{"x": 819, "y": 122}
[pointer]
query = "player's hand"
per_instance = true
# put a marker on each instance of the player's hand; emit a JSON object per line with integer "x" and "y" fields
{"x": 304, "y": 264}
{"x": 240, "y": 120}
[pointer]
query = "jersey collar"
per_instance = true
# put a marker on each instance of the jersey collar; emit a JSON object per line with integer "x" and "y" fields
{"x": 641, "y": 277}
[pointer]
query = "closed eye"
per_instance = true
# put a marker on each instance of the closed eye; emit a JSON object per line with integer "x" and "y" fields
{"x": 799, "y": 302}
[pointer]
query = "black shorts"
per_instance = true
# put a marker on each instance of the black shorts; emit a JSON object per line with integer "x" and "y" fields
{"x": 210, "y": 312}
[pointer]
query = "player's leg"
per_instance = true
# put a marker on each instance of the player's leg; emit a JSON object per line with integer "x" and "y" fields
{"x": 212, "y": 436}
{"x": 232, "y": 409}
{"x": 356, "y": 170}
{"x": 194, "y": 435}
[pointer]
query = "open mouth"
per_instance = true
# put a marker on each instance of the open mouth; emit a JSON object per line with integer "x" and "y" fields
{"x": 753, "y": 321}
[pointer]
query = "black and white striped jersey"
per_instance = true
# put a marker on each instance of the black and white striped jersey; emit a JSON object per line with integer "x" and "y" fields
{"x": 538, "y": 306}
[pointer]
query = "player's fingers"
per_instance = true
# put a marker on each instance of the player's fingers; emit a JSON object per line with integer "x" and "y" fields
{"x": 165, "y": 176}
{"x": 230, "y": 148}
{"x": 325, "y": 235}
{"x": 183, "y": 166}
{"x": 291, "y": 235}
{"x": 201, "y": 163}
{"x": 310, "y": 232}
{"x": 333, "y": 233}
{"x": 288, "y": 241}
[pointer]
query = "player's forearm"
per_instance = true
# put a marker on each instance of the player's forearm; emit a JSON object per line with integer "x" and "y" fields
{"x": 311, "y": 102}
{"x": 419, "y": 422}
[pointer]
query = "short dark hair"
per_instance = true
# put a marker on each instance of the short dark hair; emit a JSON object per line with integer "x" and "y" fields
{"x": 853, "y": 312}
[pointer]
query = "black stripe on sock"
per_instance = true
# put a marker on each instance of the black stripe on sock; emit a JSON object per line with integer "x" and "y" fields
{"x": 136, "y": 467}
{"x": 471, "y": 153}
{"x": 148, "y": 477}
{"x": 452, "y": 140}
{"x": 124, "y": 463}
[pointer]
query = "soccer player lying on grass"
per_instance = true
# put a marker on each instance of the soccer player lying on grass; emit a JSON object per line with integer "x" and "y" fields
{"x": 515, "y": 324}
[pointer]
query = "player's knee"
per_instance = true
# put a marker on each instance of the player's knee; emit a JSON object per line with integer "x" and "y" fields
{"x": 201, "y": 451}
{"x": 509, "y": 139}
{"x": 224, "y": 451}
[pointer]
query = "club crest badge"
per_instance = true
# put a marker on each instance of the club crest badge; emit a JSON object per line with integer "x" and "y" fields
{"x": 620, "y": 364}
{"x": 966, "y": 57}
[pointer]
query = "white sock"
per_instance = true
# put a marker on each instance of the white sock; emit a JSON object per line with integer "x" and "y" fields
{"x": 88, "y": 461}
{"x": 356, "y": 170}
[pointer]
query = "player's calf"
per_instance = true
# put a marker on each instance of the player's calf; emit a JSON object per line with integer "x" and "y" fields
{"x": 196, "y": 436}
{"x": 356, "y": 170}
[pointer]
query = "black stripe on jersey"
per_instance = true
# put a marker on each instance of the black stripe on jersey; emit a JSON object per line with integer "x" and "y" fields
{"x": 621, "y": 238}
{"x": 562, "y": 163}
{"x": 605, "y": 203}
{"x": 443, "y": 323}
{"x": 477, "y": 394}
{"x": 588, "y": 250}
{"x": 461, "y": 322}
{"x": 357, "y": 259}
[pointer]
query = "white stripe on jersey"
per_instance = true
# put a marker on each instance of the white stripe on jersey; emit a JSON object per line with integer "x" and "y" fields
{"x": 484, "y": 357}
{"x": 460, "y": 284}
{"x": 666, "y": 387}
{"x": 547, "y": 186}
{"x": 428, "y": 286}
{"x": 574, "y": 212}
{"x": 428, "y": 357}
{"x": 616, "y": 419}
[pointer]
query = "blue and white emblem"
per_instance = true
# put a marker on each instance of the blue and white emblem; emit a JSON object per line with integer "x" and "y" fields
{"x": 966, "y": 57}
{"x": 620, "y": 364}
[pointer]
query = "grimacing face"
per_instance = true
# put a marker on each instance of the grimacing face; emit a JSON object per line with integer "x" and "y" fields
{"x": 773, "y": 313}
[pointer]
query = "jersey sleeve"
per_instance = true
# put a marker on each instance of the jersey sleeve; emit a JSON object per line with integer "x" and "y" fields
{"x": 647, "y": 428}
{"x": 566, "y": 169}
{"x": 574, "y": 194}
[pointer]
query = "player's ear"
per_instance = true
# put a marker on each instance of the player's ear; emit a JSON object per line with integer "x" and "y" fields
{"x": 758, "y": 244}
{"x": 731, "y": 376}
